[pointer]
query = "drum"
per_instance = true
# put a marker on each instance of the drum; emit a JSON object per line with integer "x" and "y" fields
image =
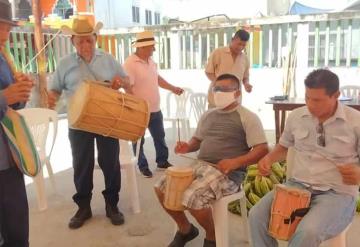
{"x": 288, "y": 207}
{"x": 178, "y": 180}
{"x": 102, "y": 110}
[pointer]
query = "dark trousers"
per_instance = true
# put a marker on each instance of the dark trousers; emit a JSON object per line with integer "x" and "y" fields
{"x": 156, "y": 128}
{"x": 14, "y": 211}
{"x": 82, "y": 147}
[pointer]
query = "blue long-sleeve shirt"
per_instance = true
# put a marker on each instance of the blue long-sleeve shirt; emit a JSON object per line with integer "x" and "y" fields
{"x": 4, "y": 151}
{"x": 6, "y": 78}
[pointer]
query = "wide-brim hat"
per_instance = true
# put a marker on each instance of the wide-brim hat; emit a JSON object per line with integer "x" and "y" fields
{"x": 5, "y": 13}
{"x": 81, "y": 26}
{"x": 145, "y": 38}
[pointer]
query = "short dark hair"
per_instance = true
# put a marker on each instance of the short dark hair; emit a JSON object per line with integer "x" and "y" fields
{"x": 242, "y": 35}
{"x": 323, "y": 78}
{"x": 230, "y": 77}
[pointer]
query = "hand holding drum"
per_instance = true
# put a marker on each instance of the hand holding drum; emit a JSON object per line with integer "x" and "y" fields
{"x": 120, "y": 82}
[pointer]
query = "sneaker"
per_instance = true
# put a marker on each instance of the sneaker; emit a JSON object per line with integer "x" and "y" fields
{"x": 146, "y": 172}
{"x": 80, "y": 217}
{"x": 164, "y": 165}
{"x": 209, "y": 243}
{"x": 113, "y": 212}
{"x": 181, "y": 239}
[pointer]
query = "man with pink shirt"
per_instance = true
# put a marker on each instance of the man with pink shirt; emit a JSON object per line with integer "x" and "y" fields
{"x": 145, "y": 81}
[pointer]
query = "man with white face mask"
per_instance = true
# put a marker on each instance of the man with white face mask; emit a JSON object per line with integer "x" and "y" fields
{"x": 229, "y": 136}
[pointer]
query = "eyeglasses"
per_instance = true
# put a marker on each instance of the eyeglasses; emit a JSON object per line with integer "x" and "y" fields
{"x": 321, "y": 135}
{"x": 223, "y": 89}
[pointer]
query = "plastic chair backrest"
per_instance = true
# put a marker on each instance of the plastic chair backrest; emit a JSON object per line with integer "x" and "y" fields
{"x": 350, "y": 91}
{"x": 198, "y": 103}
{"x": 179, "y": 103}
{"x": 38, "y": 120}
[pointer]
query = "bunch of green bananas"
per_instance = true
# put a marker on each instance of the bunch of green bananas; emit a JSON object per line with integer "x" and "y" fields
{"x": 256, "y": 186}
{"x": 358, "y": 205}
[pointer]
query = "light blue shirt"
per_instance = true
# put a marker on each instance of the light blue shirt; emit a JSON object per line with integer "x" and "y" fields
{"x": 4, "y": 151}
{"x": 315, "y": 165}
{"x": 72, "y": 71}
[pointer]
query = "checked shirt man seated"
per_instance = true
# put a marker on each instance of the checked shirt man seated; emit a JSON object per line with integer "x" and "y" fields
{"x": 229, "y": 136}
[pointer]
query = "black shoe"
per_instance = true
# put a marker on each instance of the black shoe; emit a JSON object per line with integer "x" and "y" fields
{"x": 146, "y": 172}
{"x": 181, "y": 239}
{"x": 164, "y": 165}
{"x": 116, "y": 217}
{"x": 209, "y": 243}
{"x": 83, "y": 214}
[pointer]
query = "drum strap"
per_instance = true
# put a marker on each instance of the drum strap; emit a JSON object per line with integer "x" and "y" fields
{"x": 86, "y": 70}
{"x": 300, "y": 212}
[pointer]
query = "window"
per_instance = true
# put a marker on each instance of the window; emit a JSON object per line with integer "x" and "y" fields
{"x": 135, "y": 14}
{"x": 63, "y": 8}
{"x": 148, "y": 17}
{"x": 157, "y": 18}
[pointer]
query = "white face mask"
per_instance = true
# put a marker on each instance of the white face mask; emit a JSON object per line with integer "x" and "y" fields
{"x": 224, "y": 99}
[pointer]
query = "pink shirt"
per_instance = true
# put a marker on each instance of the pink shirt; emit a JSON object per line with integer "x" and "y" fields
{"x": 144, "y": 78}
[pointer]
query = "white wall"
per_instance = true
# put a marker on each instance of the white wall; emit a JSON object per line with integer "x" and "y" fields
{"x": 118, "y": 13}
{"x": 266, "y": 83}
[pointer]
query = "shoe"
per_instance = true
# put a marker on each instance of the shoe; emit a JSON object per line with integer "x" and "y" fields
{"x": 164, "y": 165}
{"x": 83, "y": 214}
{"x": 181, "y": 239}
{"x": 209, "y": 243}
{"x": 116, "y": 217}
{"x": 146, "y": 172}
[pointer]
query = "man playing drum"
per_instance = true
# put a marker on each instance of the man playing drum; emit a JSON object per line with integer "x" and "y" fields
{"x": 229, "y": 136}
{"x": 325, "y": 135}
{"x": 88, "y": 63}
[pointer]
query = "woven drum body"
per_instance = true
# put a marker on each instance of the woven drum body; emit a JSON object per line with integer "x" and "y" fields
{"x": 101, "y": 110}
{"x": 286, "y": 200}
{"x": 178, "y": 180}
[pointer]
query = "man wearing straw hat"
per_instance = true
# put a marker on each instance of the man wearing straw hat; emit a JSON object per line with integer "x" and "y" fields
{"x": 145, "y": 82}
{"x": 88, "y": 63}
{"x": 14, "y": 91}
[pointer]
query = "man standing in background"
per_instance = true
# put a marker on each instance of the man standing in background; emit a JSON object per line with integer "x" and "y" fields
{"x": 229, "y": 60}
{"x": 145, "y": 82}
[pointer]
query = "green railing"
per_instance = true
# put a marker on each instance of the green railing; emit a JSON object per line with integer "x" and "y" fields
{"x": 332, "y": 40}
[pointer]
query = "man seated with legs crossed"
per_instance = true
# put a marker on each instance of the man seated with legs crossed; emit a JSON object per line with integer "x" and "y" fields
{"x": 229, "y": 136}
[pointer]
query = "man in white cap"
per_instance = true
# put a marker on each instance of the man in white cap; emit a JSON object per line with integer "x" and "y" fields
{"x": 14, "y": 91}
{"x": 145, "y": 81}
{"x": 88, "y": 63}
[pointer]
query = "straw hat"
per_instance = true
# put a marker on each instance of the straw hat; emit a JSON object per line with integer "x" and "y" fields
{"x": 5, "y": 13}
{"x": 145, "y": 38}
{"x": 82, "y": 26}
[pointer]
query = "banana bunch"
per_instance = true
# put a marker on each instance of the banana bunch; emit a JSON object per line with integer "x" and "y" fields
{"x": 357, "y": 205}
{"x": 256, "y": 186}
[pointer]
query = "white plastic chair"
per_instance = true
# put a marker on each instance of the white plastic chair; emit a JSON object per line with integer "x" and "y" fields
{"x": 350, "y": 91}
{"x": 221, "y": 218}
{"x": 198, "y": 104}
{"x": 339, "y": 240}
{"x": 38, "y": 120}
{"x": 220, "y": 214}
{"x": 128, "y": 163}
{"x": 178, "y": 109}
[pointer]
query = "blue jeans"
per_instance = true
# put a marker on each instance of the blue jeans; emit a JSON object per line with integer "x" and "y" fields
{"x": 156, "y": 128}
{"x": 329, "y": 215}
